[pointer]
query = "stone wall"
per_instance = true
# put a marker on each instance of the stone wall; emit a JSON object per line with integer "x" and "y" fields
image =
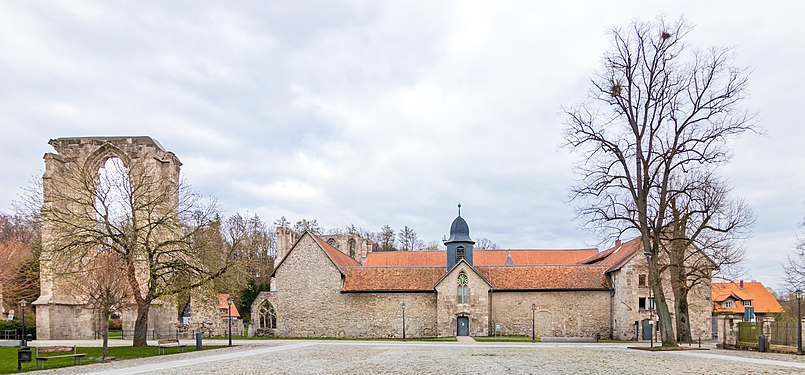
{"x": 448, "y": 308}
{"x": 628, "y": 291}
{"x": 308, "y": 302}
{"x": 59, "y": 314}
{"x": 558, "y": 314}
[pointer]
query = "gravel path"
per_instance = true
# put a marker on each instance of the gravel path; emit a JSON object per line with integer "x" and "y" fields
{"x": 350, "y": 357}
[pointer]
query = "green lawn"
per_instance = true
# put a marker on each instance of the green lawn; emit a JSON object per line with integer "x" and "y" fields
{"x": 504, "y": 339}
{"x": 8, "y": 356}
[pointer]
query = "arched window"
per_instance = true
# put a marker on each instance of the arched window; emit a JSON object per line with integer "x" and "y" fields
{"x": 463, "y": 290}
{"x": 267, "y": 316}
{"x": 331, "y": 242}
{"x": 351, "y": 247}
{"x": 459, "y": 253}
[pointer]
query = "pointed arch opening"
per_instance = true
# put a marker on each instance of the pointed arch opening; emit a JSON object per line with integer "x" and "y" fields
{"x": 267, "y": 316}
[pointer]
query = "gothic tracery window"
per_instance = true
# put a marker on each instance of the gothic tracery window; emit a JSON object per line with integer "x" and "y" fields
{"x": 463, "y": 290}
{"x": 267, "y": 316}
{"x": 331, "y": 242}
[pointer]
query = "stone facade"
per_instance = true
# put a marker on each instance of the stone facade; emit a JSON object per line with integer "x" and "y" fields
{"x": 353, "y": 245}
{"x": 477, "y": 308}
{"x": 60, "y": 312}
{"x": 557, "y": 314}
{"x": 315, "y": 293}
{"x": 631, "y": 284}
{"x": 307, "y": 299}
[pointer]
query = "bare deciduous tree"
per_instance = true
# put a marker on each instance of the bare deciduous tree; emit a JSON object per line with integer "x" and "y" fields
{"x": 795, "y": 267}
{"x": 103, "y": 287}
{"x": 408, "y": 239}
{"x": 386, "y": 238}
{"x": 127, "y": 211}
{"x": 656, "y": 110}
{"x": 703, "y": 237}
{"x": 486, "y": 244}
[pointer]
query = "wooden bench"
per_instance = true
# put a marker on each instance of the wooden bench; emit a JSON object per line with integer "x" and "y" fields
{"x": 57, "y": 349}
{"x": 169, "y": 343}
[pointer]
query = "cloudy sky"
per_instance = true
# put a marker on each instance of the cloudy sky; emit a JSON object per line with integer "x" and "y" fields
{"x": 374, "y": 113}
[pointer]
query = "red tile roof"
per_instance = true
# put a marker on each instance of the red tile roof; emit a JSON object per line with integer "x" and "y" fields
{"x": 585, "y": 277}
{"x": 616, "y": 256}
{"x": 406, "y": 259}
{"x": 339, "y": 259}
{"x": 480, "y": 257}
{"x": 398, "y": 279}
{"x": 762, "y": 300}
{"x": 223, "y": 306}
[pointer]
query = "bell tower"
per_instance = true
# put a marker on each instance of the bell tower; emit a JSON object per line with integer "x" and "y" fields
{"x": 459, "y": 245}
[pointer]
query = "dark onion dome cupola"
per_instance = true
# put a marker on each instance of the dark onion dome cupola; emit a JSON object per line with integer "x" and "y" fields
{"x": 459, "y": 245}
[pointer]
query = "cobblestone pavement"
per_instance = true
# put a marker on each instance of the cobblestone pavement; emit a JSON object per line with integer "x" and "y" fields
{"x": 356, "y": 357}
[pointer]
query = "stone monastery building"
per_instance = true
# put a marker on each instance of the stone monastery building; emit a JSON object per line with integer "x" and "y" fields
{"x": 319, "y": 290}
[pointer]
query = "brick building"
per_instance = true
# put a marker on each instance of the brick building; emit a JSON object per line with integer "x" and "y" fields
{"x": 319, "y": 291}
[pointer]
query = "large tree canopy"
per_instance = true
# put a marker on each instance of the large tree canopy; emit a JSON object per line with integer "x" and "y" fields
{"x": 656, "y": 110}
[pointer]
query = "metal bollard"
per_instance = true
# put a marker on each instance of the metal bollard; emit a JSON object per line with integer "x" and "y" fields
{"x": 199, "y": 335}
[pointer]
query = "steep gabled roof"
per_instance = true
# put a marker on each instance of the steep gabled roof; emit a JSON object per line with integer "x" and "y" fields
{"x": 339, "y": 259}
{"x": 547, "y": 277}
{"x": 762, "y": 300}
{"x": 391, "y": 279}
{"x": 616, "y": 256}
{"x": 224, "y": 304}
{"x": 464, "y": 262}
{"x": 406, "y": 259}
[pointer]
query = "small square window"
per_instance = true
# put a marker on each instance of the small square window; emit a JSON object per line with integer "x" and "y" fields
{"x": 728, "y": 304}
{"x": 641, "y": 280}
{"x": 748, "y": 303}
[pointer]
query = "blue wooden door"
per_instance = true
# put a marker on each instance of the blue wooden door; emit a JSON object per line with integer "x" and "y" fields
{"x": 646, "y": 329}
{"x": 463, "y": 326}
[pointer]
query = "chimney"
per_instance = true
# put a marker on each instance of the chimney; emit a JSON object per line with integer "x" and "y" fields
{"x": 618, "y": 243}
{"x": 742, "y": 284}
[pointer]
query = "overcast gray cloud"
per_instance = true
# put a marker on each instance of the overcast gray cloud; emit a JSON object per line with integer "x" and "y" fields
{"x": 379, "y": 113}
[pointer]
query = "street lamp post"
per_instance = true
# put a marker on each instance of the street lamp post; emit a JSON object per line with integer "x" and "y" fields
{"x": 651, "y": 315}
{"x": 650, "y": 298}
{"x": 403, "y": 319}
{"x": 533, "y": 315}
{"x": 24, "y": 341}
{"x": 229, "y": 305}
{"x": 799, "y": 321}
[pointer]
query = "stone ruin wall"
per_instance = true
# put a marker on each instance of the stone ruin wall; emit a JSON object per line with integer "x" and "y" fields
{"x": 60, "y": 315}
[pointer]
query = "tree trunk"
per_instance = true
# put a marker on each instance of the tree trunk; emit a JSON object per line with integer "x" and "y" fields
{"x": 105, "y": 336}
{"x": 680, "y": 287}
{"x": 141, "y": 325}
{"x": 682, "y": 315}
{"x": 666, "y": 328}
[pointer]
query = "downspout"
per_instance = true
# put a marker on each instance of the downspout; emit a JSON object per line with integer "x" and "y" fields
{"x": 612, "y": 307}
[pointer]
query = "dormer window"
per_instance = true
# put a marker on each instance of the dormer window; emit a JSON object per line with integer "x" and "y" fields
{"x": 747, "y": 303}
{"x": 728, "y": 304}
{"x": 459, "y": 253}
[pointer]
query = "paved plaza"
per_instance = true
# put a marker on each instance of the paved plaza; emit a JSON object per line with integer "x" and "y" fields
{"x": 364, "y": 357}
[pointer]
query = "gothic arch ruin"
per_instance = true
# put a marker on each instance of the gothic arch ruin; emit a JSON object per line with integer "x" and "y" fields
{"x": 59, "y": 313}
